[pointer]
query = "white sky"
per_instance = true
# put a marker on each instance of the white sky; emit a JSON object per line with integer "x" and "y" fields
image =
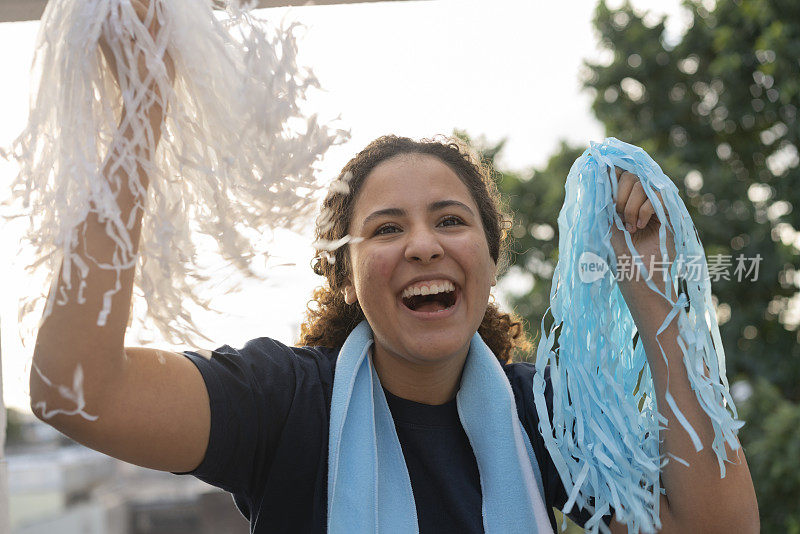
{"x": 499, "y": 68}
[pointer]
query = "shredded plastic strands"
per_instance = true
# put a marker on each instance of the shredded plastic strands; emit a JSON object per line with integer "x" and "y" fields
{"x": 605, "y": 429}
{"x": 237, "y": 152}
{"x": 74, "y": 394}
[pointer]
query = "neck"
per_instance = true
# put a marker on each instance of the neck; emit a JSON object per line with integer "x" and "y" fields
{"x": 427, "y": 383}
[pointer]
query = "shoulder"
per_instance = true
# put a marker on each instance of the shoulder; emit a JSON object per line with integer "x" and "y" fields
{"x": 519, "y": 372}
{"x": 263, "y": 361}
{"x": 266, "y": 351}
{"x": 520, "y": 376}
{"x": 269, "y": 402}
{"x": 267, "y": 347}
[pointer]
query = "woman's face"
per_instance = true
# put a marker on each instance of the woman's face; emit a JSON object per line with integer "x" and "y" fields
{"x": 421, "y": 229}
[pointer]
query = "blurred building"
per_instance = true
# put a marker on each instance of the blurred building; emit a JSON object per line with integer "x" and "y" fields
{"x": 57, "y": 486}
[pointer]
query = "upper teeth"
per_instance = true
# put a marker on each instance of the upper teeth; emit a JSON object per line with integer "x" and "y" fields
{"x": 428, "y": 288}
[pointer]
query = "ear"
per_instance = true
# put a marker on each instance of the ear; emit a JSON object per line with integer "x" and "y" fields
{"x": 349, "y": 291}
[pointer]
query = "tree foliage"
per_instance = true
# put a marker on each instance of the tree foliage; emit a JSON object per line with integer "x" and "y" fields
{"x": 771, "y": 439}
{"x": 717, "y": 109}
{"x": 718, "y": 112}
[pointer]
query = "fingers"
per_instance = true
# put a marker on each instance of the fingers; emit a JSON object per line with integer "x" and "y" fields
{"x": 632, "y": 202}
{"x": 635, "y": 202}
{"x": 627, "y": 181}
{"x": 645, "y": 212}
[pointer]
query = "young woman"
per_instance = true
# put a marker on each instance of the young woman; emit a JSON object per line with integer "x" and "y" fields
{"x": 259, "y": 421}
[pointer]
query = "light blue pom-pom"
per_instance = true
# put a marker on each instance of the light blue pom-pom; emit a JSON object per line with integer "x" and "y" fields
{"x": 605, "y": 427}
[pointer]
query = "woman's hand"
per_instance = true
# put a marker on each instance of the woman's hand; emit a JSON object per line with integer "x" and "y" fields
{"x": 153, "y": 26}
{"x": 641, "y": 221}
{"x": 146, "y": 10}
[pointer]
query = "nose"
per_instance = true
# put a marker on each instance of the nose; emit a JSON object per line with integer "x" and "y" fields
{"x": 423, "y": 245}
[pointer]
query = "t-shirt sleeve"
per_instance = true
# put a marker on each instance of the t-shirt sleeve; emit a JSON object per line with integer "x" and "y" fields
{"x": 251, "y": 391}
{"x": 555, "y": 493}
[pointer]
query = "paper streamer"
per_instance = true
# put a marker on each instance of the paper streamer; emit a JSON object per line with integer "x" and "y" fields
{"x": 604, "y": 434}
{"x": 238, "y": 153}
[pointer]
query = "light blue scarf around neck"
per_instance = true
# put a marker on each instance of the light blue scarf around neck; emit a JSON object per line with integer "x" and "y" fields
{"x": 369, "y": 489}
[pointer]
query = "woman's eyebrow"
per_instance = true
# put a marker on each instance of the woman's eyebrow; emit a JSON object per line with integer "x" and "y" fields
{"x": 398, "y": 212}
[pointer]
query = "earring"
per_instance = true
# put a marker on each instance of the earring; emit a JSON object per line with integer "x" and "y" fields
{"x": 349, "y": 296}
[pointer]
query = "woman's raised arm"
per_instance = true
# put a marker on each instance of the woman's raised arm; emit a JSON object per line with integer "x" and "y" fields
{"x": 696, "y": 498}
{"x": 143, "y": 406}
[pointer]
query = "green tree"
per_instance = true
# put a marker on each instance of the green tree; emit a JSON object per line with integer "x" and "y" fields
{"x": 718, "y": 112}
{"x": 717, "y": 109}
{"x": 772, "y": 442}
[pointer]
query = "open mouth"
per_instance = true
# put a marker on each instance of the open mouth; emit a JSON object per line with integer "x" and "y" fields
{"x": 431, "y": 303}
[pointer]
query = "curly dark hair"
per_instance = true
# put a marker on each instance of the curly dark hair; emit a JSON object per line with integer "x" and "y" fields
{"x": 331, "y": 320}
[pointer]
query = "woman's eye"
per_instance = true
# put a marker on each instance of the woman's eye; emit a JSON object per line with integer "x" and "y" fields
{"x": 380, "y": 231}
{"x": 455, "y": 220}
{"x": 391, "y": 228}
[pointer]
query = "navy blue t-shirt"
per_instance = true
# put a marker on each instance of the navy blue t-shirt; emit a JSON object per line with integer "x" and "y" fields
{"x": 268, "y": 446}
